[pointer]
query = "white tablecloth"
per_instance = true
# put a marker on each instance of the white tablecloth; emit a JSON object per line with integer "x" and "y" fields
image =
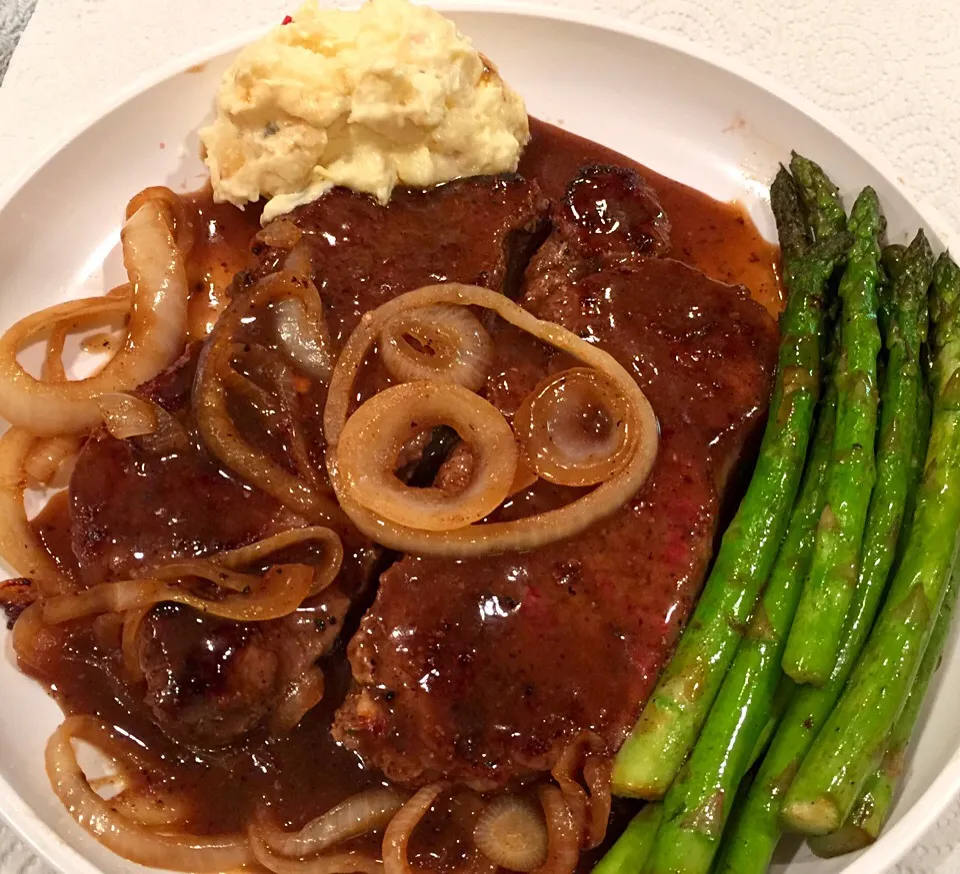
{"x": 888, "y": 68}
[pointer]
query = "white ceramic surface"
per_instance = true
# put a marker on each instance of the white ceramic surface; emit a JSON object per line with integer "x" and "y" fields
{"x": 684, "y": 114}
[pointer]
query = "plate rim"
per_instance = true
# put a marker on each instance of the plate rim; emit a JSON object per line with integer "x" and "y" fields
{"x": 895, "y": 842}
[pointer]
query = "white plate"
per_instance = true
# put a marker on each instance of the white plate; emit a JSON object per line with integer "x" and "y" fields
{"x": 705, "y": 121}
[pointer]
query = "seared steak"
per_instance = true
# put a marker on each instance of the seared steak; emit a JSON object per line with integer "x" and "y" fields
{"x": 134, "y": 505}
{"x": 479, "y": 671}
{"x": 480, "y": 231}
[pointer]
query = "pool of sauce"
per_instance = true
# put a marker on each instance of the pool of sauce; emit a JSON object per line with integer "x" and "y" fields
{"x": 302, "y": 775}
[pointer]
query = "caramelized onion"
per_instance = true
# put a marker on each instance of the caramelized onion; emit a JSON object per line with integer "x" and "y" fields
{"x": 361, "y": 813}
{"x": 299, "y": 698}
{"x": 48, "y": 457}
{"x": 511, "y": 832}
{"x": 204, "y": 569}
{"x": 153, "y": 808}
{"x": 563, "y": 843}
{"x": 374, "y": 435}
{"x": 523, "y": 534}
{"x": 19, "y": 545}
{"x": 303, "y": 338}
{"x": 121, "y": 835}
{"x": 282, "y": 589}
{"x": 126, "y": 415}
{"x": 397, "y": 836}
{"x": 183, "y": 231}
{"x": 245, "y": 556}
{"x": 349, "y": 862}
{"x": 575, "y": 429}
{"x": 130, "y": 642}
{"x": 156, "y": 333}
{"x": 210, "y": 401}
{"x": 453, "y": 346}
{"x": 596, "y": 774}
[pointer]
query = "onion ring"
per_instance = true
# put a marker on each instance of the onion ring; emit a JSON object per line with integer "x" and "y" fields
{"x": 563, "y": 848}
{"x": 155, "y": 338}
{"x": 282, "y": 589}
{"x": 460, "y": 350}
{"x": 361, "y": 813}
{"x": 210, "y": 398}
{"x": 523, "y": 534}
{"x": 123, "y": 836}
{"x": 183, "y": 231}
{"x": 556, "y": 445}
{"x": 397, "y": 836}
{"x": 19, "y": 545}
{"x": 48, "y": 457}
{"x": 125, "y": 415}
{"x": 375, "y": 434}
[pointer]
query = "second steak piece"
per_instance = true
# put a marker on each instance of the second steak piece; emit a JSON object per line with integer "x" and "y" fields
{"x": 482, "y": 670}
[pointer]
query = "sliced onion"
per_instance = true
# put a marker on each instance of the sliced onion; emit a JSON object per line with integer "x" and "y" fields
{"x": 304, "y": 340}
{"x": 512, "y": 833}
{"x": 524, "y": 534}
{"x": 245, "y": 556}
{"x": 397, "y": 836}
{"x": 596, "y": 774}
{"x": 571, "y": 763}
{"x": 130, "y": 642}
{"x": 19, "y": 545}
{"x": 153, "y": 808}
{"x": 283, "y": 588}
{"x": 48, "y": 457}
{"x": 456, "y": 347}
{"x": 126, "y": 415}
{"x": 155, "y": 338}
{"x": 350, "y": 862}
{"x": 554, "y": 421}
{"x": 374, "y": 435}
{"x": 210, "y": 397}
{"x": 563, "y": 847}
{"x": 357, "y": 815}
{"x": 183, "y": 230}
{"x": 299, "y": 698}
{"x": 177, "y": 852}
{"x": 204, "y": 569}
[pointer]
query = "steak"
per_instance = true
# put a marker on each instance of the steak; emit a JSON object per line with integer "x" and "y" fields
{"x": 481, "y": 670}
{"x": 134, "y": 504}
{"x": 479, "y": 231}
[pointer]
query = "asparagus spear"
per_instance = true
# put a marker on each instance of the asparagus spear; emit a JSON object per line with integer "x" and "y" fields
{"x": 816, "y": 635}
{"x": 671, "y": 719}
{"x": 629, "y": 854}
{"x": 873, "y": 806}
{"x": 847, "y": 750}
{"x": 751, "y": 840}
{"x": 821, "y": 199}
{"x": 696, "y": 807}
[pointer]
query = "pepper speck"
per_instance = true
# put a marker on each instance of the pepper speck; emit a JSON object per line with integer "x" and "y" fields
{"x": 286, "y": 19}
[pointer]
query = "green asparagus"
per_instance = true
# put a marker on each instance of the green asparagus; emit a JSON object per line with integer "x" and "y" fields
{"x": 847, "y": 751}
{"x": 820, "y": 197}
{"x": 671, "y": 720}
{"x": 629, "y": 853}
{"x": 816, "y": 635}
{"x": 697, "y": 805}
{"x": 752, "y": 838}
{"x": 872, "y": 808}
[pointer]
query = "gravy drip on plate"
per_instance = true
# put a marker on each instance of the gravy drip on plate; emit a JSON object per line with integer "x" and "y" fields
{"x": 305, "y": 773}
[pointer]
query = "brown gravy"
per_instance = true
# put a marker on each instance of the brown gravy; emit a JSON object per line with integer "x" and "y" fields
{"x": 304, "y": 774}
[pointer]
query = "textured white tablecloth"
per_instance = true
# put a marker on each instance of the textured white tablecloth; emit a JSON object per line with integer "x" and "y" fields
{"x": 888, "y": 68}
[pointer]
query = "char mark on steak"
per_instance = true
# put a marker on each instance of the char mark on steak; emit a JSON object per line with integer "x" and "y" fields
{"x": 480, "y": 671}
